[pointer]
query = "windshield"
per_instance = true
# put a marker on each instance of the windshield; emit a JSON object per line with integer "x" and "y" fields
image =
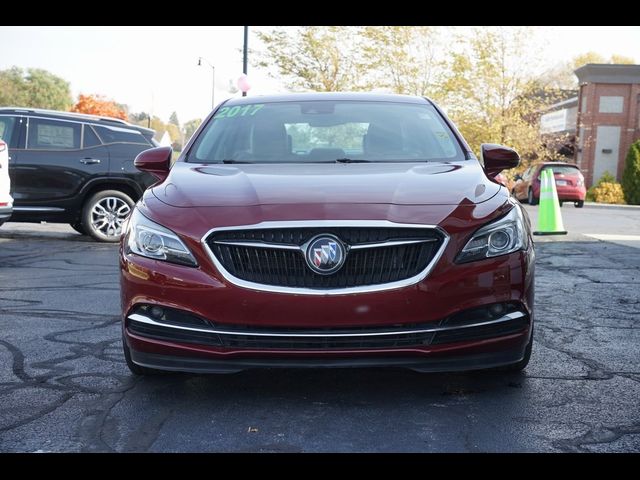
{"x": 563, "y": 169}
{"x": 325, "y": 131}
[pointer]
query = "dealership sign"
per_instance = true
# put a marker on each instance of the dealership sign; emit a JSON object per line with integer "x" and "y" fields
{"x": 558, "y": 121}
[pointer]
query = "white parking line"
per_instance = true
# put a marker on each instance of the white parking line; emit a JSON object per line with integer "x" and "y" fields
{"x": 626, "y": 240}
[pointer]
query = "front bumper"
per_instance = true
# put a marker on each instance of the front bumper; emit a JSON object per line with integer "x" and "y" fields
{"x": 203, "y": 292}
{"x": 5, "y": 213}
{"x": 182, "y": 342}
{"x": 420, "y": 364}
{"x": 571, "y": 193}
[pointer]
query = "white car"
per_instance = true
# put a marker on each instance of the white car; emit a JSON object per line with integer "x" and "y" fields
{"x": 6, "y": 202}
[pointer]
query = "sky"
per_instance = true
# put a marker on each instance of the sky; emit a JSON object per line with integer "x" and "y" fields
{"x": 155, "y": 68}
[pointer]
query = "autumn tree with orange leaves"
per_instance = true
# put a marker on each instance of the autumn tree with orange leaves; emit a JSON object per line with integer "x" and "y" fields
{"x": 98, "y": 105}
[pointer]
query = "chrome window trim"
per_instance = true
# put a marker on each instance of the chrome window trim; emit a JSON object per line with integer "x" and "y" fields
{"x": 324, "y": 223}
{"x": 505, "y": 318}
{"x": 38, "y": 209}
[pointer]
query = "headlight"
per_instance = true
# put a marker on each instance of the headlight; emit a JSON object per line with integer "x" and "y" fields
{"x": 502, "y": 236}
{"x": 148, "y": 239}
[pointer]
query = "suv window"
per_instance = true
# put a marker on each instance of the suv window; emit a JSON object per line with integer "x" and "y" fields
{"x": 7, "y": 129}
{"x": 120, "y": 135}
{"x": 90, "y": 138}
{"x": 53, "y": 135}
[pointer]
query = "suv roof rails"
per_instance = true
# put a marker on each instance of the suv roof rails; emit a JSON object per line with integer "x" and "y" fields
{"x": 84, "y": 116}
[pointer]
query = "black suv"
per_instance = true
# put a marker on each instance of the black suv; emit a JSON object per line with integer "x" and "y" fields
{"x": 74, "y": 168}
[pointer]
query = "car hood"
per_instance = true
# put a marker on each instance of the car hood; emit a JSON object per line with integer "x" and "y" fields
{"x": 197, "y": 185}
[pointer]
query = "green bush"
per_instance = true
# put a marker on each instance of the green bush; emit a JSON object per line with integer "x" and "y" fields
{"x": 631, "y": 175}
{"x": 607, "y": 190}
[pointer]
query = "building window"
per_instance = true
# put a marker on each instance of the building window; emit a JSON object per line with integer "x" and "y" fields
{"x": 611, "y": 104}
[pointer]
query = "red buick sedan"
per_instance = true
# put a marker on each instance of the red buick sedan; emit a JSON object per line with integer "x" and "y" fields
{"x": 327, "y": 230}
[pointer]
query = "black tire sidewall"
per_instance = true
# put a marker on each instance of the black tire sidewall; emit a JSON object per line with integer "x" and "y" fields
{"x": 88, "y": 206}
{"x": 79, "y": 227}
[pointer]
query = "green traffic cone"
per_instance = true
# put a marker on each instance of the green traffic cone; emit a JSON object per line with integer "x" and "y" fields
{"x": 549, "y": 217}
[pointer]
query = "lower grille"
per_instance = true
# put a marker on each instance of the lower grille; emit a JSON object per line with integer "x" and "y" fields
{"x": 252, "y": 337}
{"x": 248, "y": 341}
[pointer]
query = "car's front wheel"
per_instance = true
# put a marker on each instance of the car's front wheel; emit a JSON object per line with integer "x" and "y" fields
{"x": 579, "y": 204}
{"x": 104, "y": 214}
{"x": 531, "y": 199}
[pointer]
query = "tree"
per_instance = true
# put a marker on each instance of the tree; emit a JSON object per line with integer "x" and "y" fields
{"x": 621, "y": 59}
{"x": 36, "y": 88}
{"x": 141, "y": 118}
{"x": 400, "y": 58}
{"x": 321, "y": 59}
{"x": 491, "y": 93}
{"x": 562, "y": 75}
{"x": 173, "y": 119}
{"x": 189, "y": 128}
{"x": 98, "y": 105}
{"x": 631, "y": 175}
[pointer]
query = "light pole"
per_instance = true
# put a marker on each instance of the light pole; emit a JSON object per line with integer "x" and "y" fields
{"x": 213, "y": 79}
{"x": 244, "y": 54}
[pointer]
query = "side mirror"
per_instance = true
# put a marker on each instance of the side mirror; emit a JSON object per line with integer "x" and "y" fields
{"x": 156, "y": 161}
{"x": 497, "y": 158}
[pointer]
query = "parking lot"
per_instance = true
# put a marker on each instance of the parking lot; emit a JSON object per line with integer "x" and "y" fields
{"x": 64, "y": 386}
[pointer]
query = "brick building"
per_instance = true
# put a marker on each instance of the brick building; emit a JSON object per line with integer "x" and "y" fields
{"x": 608, "y": 118}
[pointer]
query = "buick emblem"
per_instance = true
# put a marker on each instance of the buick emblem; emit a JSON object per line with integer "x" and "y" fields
{"x": 325, "y": 254}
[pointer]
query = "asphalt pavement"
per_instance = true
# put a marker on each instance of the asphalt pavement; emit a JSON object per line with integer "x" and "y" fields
{"x": 64, "y": 386}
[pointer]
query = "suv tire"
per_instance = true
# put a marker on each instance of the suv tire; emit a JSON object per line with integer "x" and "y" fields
{"x": 104, "y": 213}
{"x": 78, "y": 227}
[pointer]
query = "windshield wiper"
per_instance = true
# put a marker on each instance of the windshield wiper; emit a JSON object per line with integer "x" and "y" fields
{"x": 229, "y": 161}
{"x": 351, "y": 160}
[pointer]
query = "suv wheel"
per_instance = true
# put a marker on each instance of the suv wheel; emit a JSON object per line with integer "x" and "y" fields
{"x": 104, "y": 214}
{"x": 532, "y": 200}
{"x": 78, "y": 227}
{"x": 579, "y": 204}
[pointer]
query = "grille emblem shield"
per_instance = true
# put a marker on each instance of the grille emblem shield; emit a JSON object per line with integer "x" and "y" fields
{"x": 325, "y": 254}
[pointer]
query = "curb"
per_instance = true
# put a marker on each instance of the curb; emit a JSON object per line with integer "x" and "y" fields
{"x": 611, "y": 205}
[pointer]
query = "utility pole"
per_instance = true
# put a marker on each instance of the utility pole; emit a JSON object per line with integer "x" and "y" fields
{"x": 244, "y": 53}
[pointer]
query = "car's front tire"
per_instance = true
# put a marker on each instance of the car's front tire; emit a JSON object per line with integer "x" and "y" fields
{"x": 530, "y": 198}
{"x": 104, "y": 214}
{"x": 579, "y": 204}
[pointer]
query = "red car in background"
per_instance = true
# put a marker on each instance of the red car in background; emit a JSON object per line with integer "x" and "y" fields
{"x": 569, "y": 183}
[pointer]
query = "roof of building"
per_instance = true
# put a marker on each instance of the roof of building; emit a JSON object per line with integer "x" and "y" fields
{"x": 608, "y": 73}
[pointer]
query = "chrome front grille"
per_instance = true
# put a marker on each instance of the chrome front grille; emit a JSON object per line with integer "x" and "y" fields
{"x": 379, "y": 255}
